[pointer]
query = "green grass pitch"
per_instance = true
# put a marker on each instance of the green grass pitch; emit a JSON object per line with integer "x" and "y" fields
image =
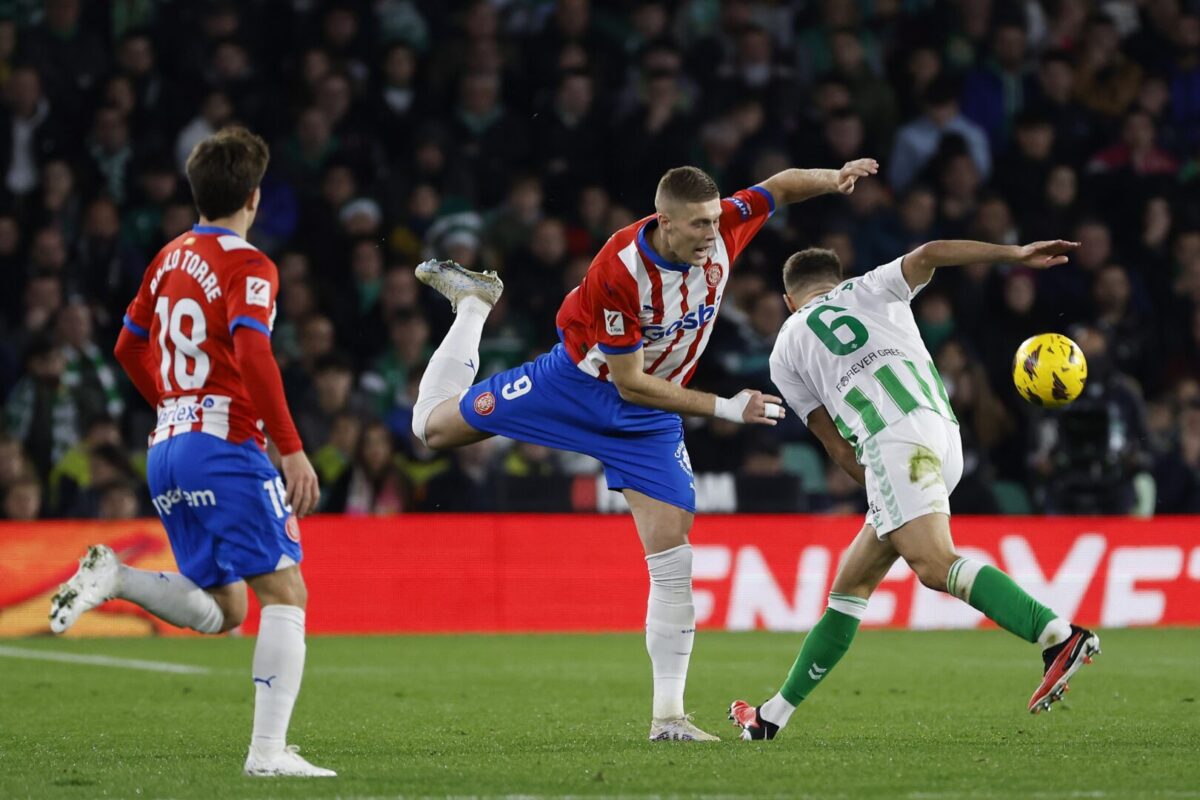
{"x": 917, "y": 715}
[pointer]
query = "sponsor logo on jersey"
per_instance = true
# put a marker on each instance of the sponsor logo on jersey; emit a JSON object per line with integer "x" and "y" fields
{"x": 713, "y": 274}
{"x": 485, "y": 404}
{"x": 292, "y": 528}
{"x": 258, "y": 292}
{"x": 742, "y": 206}
{"x": 199, "y": 498}
{"x": 614, "y": 323}
{"x": 181, "y": 414}
{"x": 698, "y": 317}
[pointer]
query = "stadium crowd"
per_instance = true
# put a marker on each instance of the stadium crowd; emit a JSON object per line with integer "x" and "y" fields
{"x": 517, "y": 134}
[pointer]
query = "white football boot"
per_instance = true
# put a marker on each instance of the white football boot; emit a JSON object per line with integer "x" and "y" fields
{"x": 679, "y": 729}
{"x": 454, "y": 282}
{"x": 95, "y": 582}
{"x": 287, "y": 763}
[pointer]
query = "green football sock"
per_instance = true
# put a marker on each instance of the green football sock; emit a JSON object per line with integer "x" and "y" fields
{"x": 824, "y": 646}
{"x": 999, "y": 598}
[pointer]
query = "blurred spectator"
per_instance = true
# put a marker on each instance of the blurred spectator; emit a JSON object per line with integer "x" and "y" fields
{"x": 918, "y": 141}
{"x": 23, "y": 500}
{"x": 469, "y": 484}
{"x": 46, "y": 407}
{"x": 28, "y": 132}
{"x": 373, "y": 485}
{"x": 333, "y": 458}
{"x": 119, "y": 500}
{"x": 1106, "y": 80}
{"x": 995, "y": 91}
{"x": 332, "y": 395}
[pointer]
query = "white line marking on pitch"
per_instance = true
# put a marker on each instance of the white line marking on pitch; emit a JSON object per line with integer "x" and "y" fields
{"x": 102, "y": 661}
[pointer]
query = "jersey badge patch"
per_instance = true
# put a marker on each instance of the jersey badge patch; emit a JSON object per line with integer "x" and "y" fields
{"x": 258, "y": 292}
{"x": 713, "y": 274}
{"x": 614, "y": 323}
{"x": 485, "y": 404}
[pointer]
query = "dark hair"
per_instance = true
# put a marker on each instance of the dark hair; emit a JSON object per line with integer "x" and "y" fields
{"x": 333, "y": 362}
{"x": 941, "y": 91}
{"x": 809, "y": 266}
{"x": 224, "y": 169}
{"x": 687, "y": 185}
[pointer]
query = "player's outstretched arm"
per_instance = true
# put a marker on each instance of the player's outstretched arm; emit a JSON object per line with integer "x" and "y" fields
{"x": 749, "y": 406}
{"x": 918, "y": 266}
{"x": 798, "y": 185}
{"x": 823, "y": 427}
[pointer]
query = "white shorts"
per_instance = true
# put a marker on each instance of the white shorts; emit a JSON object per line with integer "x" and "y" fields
{"x": 912, "y": 467}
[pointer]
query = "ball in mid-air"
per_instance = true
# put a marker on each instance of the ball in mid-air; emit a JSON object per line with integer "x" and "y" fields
{"x": 1049, "y": 370}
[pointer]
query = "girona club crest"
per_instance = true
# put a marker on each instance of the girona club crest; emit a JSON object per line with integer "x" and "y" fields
{"x": 292, "y": 528}
{"x": 485, "y": 404}
{"x": 713, "y": 273}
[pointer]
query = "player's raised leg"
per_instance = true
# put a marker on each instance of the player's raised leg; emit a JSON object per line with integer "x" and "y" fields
{"x": 452, "y": 368}
{"x": 278, "y": 668}
{"x": 670, "y": 613}
{"x": 169, "y": 596}
{"x": 867, "y": 562}
{"x": 926, "y": 545}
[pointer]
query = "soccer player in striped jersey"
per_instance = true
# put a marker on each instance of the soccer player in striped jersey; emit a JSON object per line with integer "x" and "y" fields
{"x": 850, "y": 361}
{"x": 197, "y": 345}
{"x": 614, "y": 388}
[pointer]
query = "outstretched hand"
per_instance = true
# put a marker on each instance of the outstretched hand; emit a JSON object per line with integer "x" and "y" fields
{"x": 1043, "y": 255}
{"x": 851, "y": 171}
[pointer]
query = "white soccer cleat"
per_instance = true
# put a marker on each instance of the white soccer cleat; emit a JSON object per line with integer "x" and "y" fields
{"x": 679, "y": 729}
{"x": 287, "y": 763}
{"x": 454, "y": 282}
{"x": 95, "y": 582}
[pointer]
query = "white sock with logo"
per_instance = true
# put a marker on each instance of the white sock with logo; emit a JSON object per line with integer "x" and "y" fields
{"x": 171, "y": 597}
{"x": 453, "y": 366}
{"x": 670, "y": 627}
{"x": 278, "y": 667}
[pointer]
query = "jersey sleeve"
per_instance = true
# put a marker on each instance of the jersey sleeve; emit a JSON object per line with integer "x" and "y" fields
{"x": 140, "y": 313}
{"x": 743, "y": 215}
{"x": 251, "y": 287}
{"x": 791, "y": 384}
{"x": 889, "y": 280}
{"x": 615, "y": 307}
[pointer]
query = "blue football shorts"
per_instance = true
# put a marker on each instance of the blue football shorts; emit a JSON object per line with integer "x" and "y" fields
{"x": 223, "y": 507}
{"x": 551, "y": 402}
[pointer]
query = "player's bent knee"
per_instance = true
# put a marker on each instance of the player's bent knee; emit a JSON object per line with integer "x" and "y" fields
{"x": 932, "y": 571}
{"x": 233, "y": 620}
{"x": 283, "y": 588}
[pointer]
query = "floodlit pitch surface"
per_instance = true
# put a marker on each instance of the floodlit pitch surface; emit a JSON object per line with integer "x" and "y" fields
{"x": 921, "y": 715}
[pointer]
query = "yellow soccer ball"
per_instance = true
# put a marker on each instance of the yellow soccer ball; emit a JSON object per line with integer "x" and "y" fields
{"x": 1049, "y": 370}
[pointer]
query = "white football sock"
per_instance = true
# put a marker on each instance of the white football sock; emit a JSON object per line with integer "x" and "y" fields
{"x": 453, "y": 366}
{"x": 1057, "y": 630}
{"x": 278, "y": 668}
{"x": 670, "y": 627}
{"x": 171, "y": 597}
{"x": 777, "y": 710}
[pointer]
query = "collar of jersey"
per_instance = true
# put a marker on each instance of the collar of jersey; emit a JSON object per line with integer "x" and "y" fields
{"x": 217, "y": 229}
{"x": 649, "y": 252}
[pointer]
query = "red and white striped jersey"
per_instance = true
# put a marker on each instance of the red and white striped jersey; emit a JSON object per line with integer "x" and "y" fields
{"x": 632, "y": 297}
{"x": 196, "y": 291}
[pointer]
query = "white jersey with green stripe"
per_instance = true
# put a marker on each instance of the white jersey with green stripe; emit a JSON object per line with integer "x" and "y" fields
{"x": 858, "y": 352}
